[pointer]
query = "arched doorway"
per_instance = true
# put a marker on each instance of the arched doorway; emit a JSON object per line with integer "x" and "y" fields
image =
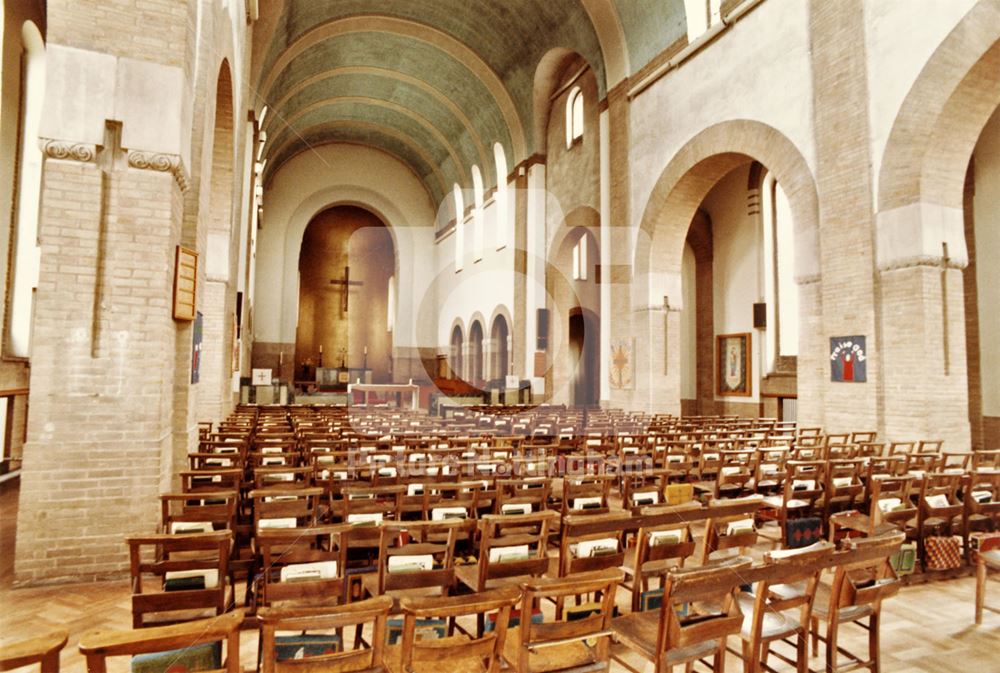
{"x": 584, "y": 351}
{"x": 500, "y": 358}
{"x": 476, "y": 353}
{"x": 346, "y": 264}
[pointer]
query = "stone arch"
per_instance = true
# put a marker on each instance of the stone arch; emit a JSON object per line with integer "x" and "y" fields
{"x": 475, "y": 371}
{"x": 456, "y": 341}
{"x": 218, "y": 299}
{"x": 940, "y": 120}
{"x": 692, "y": 173}
{"x": 678, "y": 193}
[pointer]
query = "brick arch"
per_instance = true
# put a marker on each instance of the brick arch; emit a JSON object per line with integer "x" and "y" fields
{"x": 698, "y": 166}
{"x": 939, "y": 122}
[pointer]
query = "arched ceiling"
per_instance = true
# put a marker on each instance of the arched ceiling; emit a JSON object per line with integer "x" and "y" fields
{"x": 435, "y": 83}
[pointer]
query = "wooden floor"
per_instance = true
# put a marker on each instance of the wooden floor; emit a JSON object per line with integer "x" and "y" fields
{"x": 927, "y": 628}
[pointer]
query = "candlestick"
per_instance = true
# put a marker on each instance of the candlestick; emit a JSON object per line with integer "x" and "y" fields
{"x": 366, "y": 350}
{"x": 321, "y": 348}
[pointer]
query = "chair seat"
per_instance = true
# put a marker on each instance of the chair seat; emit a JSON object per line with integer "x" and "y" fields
{"x": 775, "y": 624}
{"x": 393, "y": 658}
{"x": 638, "y": 632}
{"x": 991, "y": 558}
{"x": 788, "y": 591}
{"x": 542, "y": 660}
{"x": 469, "y": 576}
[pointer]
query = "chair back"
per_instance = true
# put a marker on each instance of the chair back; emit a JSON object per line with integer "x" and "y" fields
{"x": 362, "y": 658}
{"x": 190, "y": 572}
{"x": 574, "y": 643}
{"x": 715, "y": 585}
{"x": 582, "y": 552}
{"x": 482, "y": 653}
{"x": 513, "y": 545}
{"x": 425, "y": 560}
{"x": 97, "y": 647}
{"x": 302, "y": 564}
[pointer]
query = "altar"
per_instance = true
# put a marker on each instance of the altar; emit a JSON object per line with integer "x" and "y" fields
{"x": 400, "y": 388}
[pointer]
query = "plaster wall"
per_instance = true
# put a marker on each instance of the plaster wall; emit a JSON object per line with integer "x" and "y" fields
{"x": 736, "y": 267}
{"x": 713, "y": 86}
{"x": 342, "y": 174}
{"x": 898, "y": 42}
{"x": 986, "y": 214}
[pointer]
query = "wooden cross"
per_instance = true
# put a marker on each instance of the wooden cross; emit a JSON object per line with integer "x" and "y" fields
{"x": 346, "y": 282}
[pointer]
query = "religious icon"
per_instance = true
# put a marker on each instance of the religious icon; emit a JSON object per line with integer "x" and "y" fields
{"x": 733, "y": 364}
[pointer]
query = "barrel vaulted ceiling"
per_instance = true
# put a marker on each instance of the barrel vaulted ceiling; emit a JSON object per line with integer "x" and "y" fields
{"x": 435, "y": 83}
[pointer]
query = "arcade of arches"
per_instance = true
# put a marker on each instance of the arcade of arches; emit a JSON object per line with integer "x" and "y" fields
{"x": 766, "y": 209}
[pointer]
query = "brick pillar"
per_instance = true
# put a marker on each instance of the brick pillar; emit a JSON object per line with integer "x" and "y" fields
{"x": 618, "y": 239}
{"x": 523, "y": 340}
{"x": 847, "y": 292}
{"x": 101, "y": 379}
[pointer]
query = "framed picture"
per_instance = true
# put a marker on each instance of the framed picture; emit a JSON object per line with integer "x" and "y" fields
{"x": 732, "y": 365}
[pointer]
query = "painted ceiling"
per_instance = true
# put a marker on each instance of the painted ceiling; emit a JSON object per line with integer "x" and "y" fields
{"x": 435, "y": 83}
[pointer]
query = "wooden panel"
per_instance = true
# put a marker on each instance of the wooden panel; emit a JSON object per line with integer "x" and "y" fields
{"x": 185, "y": 283}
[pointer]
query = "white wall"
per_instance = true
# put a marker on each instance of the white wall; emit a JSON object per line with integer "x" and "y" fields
{"x": 986, "y": 211}
{"x": 713, "y": 87}
{"x": 330, "y": 175}
{"x": 736, "y": 269}
{"x": 899, "y": 38}
{"x": 689, "y": 327}
{"x": 483, "y": 285}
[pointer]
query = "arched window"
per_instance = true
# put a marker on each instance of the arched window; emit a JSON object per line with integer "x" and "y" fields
{"x": 459, "y": 227}
{"x": 574, "y": 116}
{"x": 500, "y": 200}
{"x": 475, "y": 353}
{"x": 390, "y": 319}
{"x": 25, "y": 235}
{"x": 499, "y": 357}
{"x": 477, "y": 214}
{"x": 780, "y": 289}
{"x": 701, "y": 15}
{"x": 456, "y": 352}
{"x": 580, "y": 258}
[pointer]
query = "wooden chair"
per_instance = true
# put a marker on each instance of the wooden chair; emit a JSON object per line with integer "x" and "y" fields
{"x": 456, "y": 653}
{"x": 422, "y": 566}
{"x": 320, "y": 652}
{"x": 190, "y": 573}
{"x": 43, "y": 650}
{"x": 802, "y": 489}
{"x": 856, "y": 594}
{"x": 658, "y": 549}
{"x": 301, "y": 565}
{"x": 981, "y": 498}
{"x": 667, "y": 638}
{"x": 939, "y": 509}
{"x": 788, "y": 584}
{"x": 581, "y": 645}
{"x": 586, "y": 494}
{"x": 737, "y": 532}
{"x": 285, "y": 507}
{"x": 986, "y": 561}
{"x": 169, "y": 643}
{"x": 512, "y": 548}
{"x": 522, "y": 495}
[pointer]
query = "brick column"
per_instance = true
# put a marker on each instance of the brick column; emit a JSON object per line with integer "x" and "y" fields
{"x": 101, "y": 380}
{"x": 847, "y": 293}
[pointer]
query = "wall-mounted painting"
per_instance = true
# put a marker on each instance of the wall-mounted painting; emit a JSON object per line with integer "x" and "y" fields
{"x": 733, "y": 366}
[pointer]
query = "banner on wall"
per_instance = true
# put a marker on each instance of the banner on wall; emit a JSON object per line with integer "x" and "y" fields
{"x": 196, "y": 348}
{"x": 848, "y": 359}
